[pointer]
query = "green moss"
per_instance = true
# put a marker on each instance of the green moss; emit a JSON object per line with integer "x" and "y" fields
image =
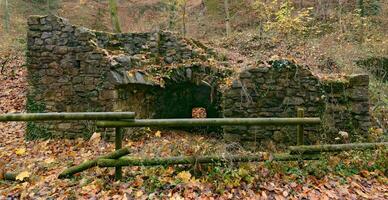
{"x": 281, "y": 64}
{"x": 34, "y": 130}
{"x": 34, "y": 106}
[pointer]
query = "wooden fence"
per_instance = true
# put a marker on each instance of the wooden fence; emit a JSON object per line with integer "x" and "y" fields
{"x": 118, "y": 120}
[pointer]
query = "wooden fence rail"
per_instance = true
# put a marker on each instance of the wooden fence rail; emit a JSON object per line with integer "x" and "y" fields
{"x": 309, "y": 149}
{"x": 210, "y": 122}
{"x": 67, "y": 116}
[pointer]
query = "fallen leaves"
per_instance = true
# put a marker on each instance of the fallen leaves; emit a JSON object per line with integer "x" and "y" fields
{"x": 184, "y": 176}
{"x": 158, "y": 134}
{"x": 47, "y": 159}
{"x": 139, "y": 193}
{"x": 20, "y": 152}
{"x": 95, "y": 138}
{"x": 23, "y": 175}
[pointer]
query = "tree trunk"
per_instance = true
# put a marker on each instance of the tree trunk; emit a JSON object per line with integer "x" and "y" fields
{"x": 114, "y": 16}
{"x": 92, "y": 163}
{"x": 129, "y": 161}
{"x": 184, "y": 18}
{"x": 227, "y": 18}
{"x": 98, "y": 23}
{"x": 307, "y": 149}
{"x": 6, "y": 16}
{"x": 48, "y": 6}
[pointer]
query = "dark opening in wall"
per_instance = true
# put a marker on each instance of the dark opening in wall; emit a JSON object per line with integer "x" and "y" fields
{"x": 178, "y": 101}
{"x": 182, "y": 100}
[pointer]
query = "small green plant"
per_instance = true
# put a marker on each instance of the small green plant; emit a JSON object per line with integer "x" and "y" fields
{"x": 34, "y": 130}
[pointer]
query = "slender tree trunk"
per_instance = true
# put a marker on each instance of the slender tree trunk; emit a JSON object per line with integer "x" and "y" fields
{"x": 114, "y": 16}
{"x": 172, "y": 15}
{"x": 6, "y": 16}
{"x": 340, "y": 16}
{"x": 98, "y": 23}
{"x": 227, "y": 18}
{"x": 184, "y": 18}
{"x": 48, "y": 6}
{"x": 201, "y": 15}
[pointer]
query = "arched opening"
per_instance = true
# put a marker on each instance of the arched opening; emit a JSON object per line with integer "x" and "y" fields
{"x": 178, "y": 101}
{"x": 174, "y": 94}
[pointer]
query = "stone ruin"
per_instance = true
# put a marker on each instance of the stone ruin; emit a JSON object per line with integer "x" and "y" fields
{"x": 162, "y": 75}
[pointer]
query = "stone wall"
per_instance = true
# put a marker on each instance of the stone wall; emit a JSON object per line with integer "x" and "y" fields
{"x": 279, "y": 89}
{"x": 161, "y": 75}
{"x": 74, "y": 69}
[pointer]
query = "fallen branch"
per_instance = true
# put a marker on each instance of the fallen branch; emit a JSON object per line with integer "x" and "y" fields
{"x": 92, "y": 163}
{"x": 306, "y": 149}
{"x": 130, "y": 161}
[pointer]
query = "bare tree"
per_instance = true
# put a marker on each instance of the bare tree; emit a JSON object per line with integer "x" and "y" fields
{"x": 114, "y": 16}
{"x": 6, "y": 16}
{"x": 227, "y": 17}
{"x": 98, "y": 16}
{"x": 184, "y": 4}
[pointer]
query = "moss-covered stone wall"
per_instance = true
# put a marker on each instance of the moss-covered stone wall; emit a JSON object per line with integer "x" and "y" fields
{"x": 74, "y": 69}
{"x": 278, "y": 89}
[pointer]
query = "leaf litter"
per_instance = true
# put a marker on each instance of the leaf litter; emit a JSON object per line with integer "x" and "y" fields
{"x": 39, "y": 163}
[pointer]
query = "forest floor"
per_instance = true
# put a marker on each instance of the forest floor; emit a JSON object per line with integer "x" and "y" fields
{"x": 352, "y": 175}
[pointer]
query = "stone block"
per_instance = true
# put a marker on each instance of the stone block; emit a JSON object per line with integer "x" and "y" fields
{"x": 46, "y": 35}
{"x": 33, "y": 20}
{"x": 259, "y": 69}
{"x": 46, "y": 28}
{"x": 38, "y": 41}
{"x": 64, "y": 126}
{"x": 358, "y": 79}
{"x": 294, "y": 101}
{"x": 245, "y": 74}
{"x": 229, "y": 138}
{"x": 236, "y": 83}
{"x": 60, "y": 50}
{"x": 358, "y": 94}
{"x": 360, "y": 107}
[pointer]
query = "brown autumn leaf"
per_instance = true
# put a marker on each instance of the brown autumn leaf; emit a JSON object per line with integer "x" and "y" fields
{"x": 362, "y": 194}
{"x": 184, "y": 176}
{"x": 20, "y": 151}
{"x": 158, "y": 134}
{"x": 95, "y": 138}
{"x": 22, "y": 175}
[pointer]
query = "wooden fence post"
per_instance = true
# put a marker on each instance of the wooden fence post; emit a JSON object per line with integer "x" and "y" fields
{"x": 118, "y": 145}
{"x": 300, "y": 128}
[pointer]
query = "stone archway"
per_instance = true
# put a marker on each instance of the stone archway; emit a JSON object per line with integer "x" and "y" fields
{"x": 178, "y": 100}
{"x": 177, "y": 92}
